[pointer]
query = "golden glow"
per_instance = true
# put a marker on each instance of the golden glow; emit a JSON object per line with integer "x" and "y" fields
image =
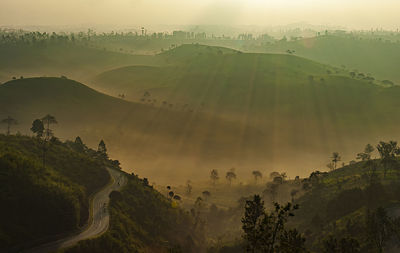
{"x": 349, "y": 13}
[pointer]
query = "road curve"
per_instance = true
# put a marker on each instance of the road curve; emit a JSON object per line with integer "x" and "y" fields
{"x": 100, "y": 221}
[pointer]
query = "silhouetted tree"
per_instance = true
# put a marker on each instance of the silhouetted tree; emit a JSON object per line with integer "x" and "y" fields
{"x": 366, "y": 154}
{"x": 378, "y": 226}
{"x": 189, "y": 187}
{"x": 254, "y": 211}
{"x": 265, "y": 231}
{"x": 330, "y": 166}
{"x": 335, "y": 159}
{"x": 292, "y": 241}
{"x": 257, "y": 174}
{"x": 102, "y": 149}
{"x": 9, "y": 121}
{"x": 79, "y": 145}
{"x": 387, "y": 151}
{"x": 38, "y": 128}
{"x": 230, "y": 175}
{"x": 206, "y": 194}
{"x": 274, "y": 174}
{"x": 47, "y": 121}
{"x": 278, "y": 180}
{"x": 214, "y": 176}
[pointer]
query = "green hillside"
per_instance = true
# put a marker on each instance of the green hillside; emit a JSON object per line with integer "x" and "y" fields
{"x": 375, "y": 56}
{"x": 40, "y": 202}
{"x": 292, "y": 102}
{"x": 56, "y": 59}
{"x": 61, "y": 96}
{"x": 219, "y": 110}
{"x": 142, "y": 220}
{"x": 345, "y": 197}
{"x": 141, "y": 136}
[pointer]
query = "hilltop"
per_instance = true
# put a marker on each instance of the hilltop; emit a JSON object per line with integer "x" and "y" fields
{"x": 292, "y": 102}
{"x": 373, "y": 56}
{"x": 76, "y": 61}
{"x": 252, "y": 110}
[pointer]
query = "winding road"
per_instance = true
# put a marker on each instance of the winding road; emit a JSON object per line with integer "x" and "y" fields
{"x": 100, "y": 221}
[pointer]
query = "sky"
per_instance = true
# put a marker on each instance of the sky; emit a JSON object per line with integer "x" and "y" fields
{"x": 353, "y": 14}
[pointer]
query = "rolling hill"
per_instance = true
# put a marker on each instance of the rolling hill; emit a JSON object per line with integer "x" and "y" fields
{"x": 141, "y": 136}
{"x": 60, "y": 59}
{"x": 212, "y": 108}
{"x": 378, "y": 57}
{"x": 288, "y": 99}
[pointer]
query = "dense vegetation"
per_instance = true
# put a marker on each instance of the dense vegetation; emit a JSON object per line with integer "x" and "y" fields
{"x": 351, "y": 208}
{"x": 142, "y": 220}
{"x": 38, "y": 201}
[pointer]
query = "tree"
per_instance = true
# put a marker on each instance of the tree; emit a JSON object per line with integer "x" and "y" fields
{"x": 254, "y": 210}
{"x": 214, "y": 176}
{"x": 257, "y": 174}
{"x": 47, "y": 121}
{"x": 9, "y": 121}
{"x": 189, "y": 187}
{"x": 81, "y": 147}
{"x": 330, "y": 166}
{"x": 366, "y": 154}
{"x": 265, "y": 231}
{"x": 292, "y": 242}
{"x": 230, "y": 175}
{"x": 378, "y": 228}
{"x": 335, "y": 159}
{"x": 274, "y": 174}
{"x": 283, "y": 176}
{"x": 345, "y": 245}
{"x": 38, "y": 128}
{"x": 102, "y": 149}
{"x": 206, "y": 194}
{"x": 387, "y": 152}
{"x": 278, "y": 180}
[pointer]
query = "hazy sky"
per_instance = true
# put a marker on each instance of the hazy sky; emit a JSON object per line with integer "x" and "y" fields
{"x": 349, "y": 13}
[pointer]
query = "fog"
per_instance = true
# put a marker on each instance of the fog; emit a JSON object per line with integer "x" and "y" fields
{"x": 353, "y": 14}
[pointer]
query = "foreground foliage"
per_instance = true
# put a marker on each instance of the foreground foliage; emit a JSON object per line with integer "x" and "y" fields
{"x": 38, "y": 202}
{"x": 142, "y": 220}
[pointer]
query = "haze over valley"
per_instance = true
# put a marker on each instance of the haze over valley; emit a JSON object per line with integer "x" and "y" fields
{"x": 212, "y": 126}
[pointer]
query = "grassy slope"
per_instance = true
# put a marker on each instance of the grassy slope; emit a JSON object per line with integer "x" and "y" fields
{"x": 34, "y": 198}
{"x": 130, "y": 129}
{"x": 142, "y": 220}
{"x": 343, "y": 197}
{"x": 379, "y": 58}
{"x": 56, "y": 59}
{"x": 268, "y": 103}
{"x": 272, "y": 93}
